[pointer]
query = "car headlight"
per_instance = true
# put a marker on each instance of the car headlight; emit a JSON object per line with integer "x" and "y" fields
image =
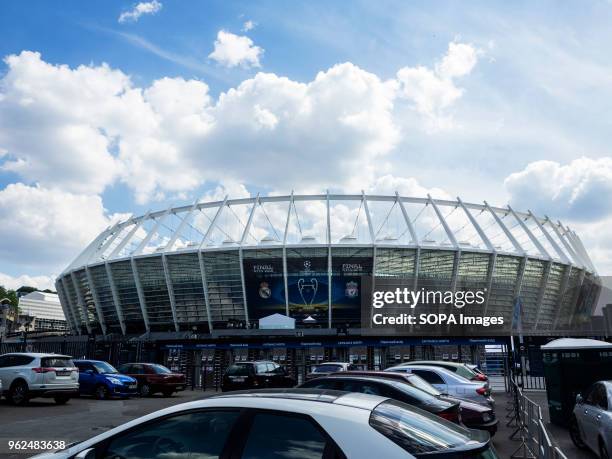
{"x": 114, "y": 381}
{"x": 486, "y": 417}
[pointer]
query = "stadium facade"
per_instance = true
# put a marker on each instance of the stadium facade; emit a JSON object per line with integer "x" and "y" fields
{"x": 226, "y": 264}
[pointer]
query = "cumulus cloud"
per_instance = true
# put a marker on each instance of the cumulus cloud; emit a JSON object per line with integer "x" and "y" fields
{"x": 39, "y": 282}
{"x": 235, "y": 50}
{"x": 84, "y": 129}
{"x": 578, "y": 191}
{"x": 405, "y": 186}
{"x": 45, "y": 228}
{"x": 141, "y": 8}
{"x": 433, "y": 91}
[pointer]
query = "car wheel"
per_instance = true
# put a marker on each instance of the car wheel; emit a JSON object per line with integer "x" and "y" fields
{"x": 18, "y": 393}
{"x": 61, "y": 400}
{"x": 167, "y": 393}
{"x": 603, "y": 451}
{"x": 101, "y": 392}
{"x": 145, "y": 390}
{"x": 574, "y": 432}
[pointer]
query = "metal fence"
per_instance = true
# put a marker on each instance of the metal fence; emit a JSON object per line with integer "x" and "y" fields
{"x": 526, "y": 416}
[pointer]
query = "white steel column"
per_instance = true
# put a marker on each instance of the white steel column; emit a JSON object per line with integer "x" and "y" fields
{"x": 415, "y": 240}
{"x": 576, "y": 259}
{"x": 213, "y": 222}
{"x": 506, "y": 231}
{"x": 285, "y": 278}
{"x": 128, "y": 238}
{"x": 96, "y": 300}
{"x": 373, "y": 241}
{"x": 59, "y": 288}
{"x": 150, "y": 234}
{"x": 452, "y": 239}
{"x": 141, "y": 297}
{"x": 179, "y": 229}
{"x": 247, "y": 227}
{"x": 118, "y": 308}
{"x": 244, "y": 295}
{"x": 81, "y": 302}
{"x": 71, "y": 305}
{"x": 533, "y": 239}
{"x": 329, "y": 264}
{"x": 118, "y": 229}
{"x": 205, "y": 287}
{"x": 579, "y": 244}
{"x": 550, "y": 240}
{"x": 170, "y": 289}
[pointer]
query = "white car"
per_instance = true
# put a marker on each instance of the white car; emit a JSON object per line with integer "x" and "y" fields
{"x": 450, "y": 383}
{"x": 28, "y": 375}
{"x": 283, "y": 423}
{"x": 591, "y": 425}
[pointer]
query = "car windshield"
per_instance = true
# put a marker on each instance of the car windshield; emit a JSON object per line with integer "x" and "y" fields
{"x": 466, "y": 372}
{"x": 420, "y": 383}
{"x": 239, "y": 369}
{"x": 105, "y": 368}
{"x": 419, "y": 432}
{"x": 57, "y": 362}
{"x": 326, "y": 368}
{"x": 160, "y": 369}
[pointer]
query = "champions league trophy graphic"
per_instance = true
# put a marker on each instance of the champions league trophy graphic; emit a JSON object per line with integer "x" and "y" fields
{"x": 308, "y": 291}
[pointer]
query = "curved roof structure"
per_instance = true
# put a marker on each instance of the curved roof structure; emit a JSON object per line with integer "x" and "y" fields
{"x": 339, "y": 220}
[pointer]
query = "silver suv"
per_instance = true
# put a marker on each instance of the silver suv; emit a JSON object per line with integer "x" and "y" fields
{"x": 29, "y": 375}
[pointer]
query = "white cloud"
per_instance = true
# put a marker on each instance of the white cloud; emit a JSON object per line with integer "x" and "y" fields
{"x": 405, "y": 186}
{"x": 579, "y": 191}
{"x": 39, "y": 282}
{"x": 84, "y": 129}
{"x": 235, "y": 50}
{"x": 141, "y": 8}
{"x": 45, "y": 228}
{"x": 434, "y": 91}
{"x": 248, "y": 25}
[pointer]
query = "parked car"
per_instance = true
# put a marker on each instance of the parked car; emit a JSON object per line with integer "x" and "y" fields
{"x": 255, "y": 375}
{"x": 397, "y": 390}
{"x": 277, "y": 423}
{"x": 591, "y": 424}
{"x": 153, "y": 378}
{"x": 462, "y": 369}
{"x": 326, "y": 368}
{"x": 28, "y": 375}
{"x": 473, "y": 415}
{"x": 450, "y": 383}
{"x": 102, "y": 380}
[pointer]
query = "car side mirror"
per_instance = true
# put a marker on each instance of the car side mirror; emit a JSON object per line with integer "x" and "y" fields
{"x": 89, "y": 453}
{"x": 579, "y": 399}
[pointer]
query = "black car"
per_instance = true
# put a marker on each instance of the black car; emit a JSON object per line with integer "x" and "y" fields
{"x": 255, "y": 375}
{"x": 396, "y": 390}
{"x": 473, "y": 415}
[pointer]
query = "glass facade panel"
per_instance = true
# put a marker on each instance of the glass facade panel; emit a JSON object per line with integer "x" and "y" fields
{"x": 153, "y": 282}
{"x": 224, "y": 287}
{"x": 188, "y": 291}
{"x": 472, "y": 275}
{"x": 550, "y": 297}
{"x": 82, "y": 283}
{"x": 71, "y": 296}
{"x": 105, "y": 297}
{"x": 530, "y": 291}
{"x": 128, "y": 296}
{"x": 503, "y": 287}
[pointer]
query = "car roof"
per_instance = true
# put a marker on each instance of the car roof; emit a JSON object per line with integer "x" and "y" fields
{"x": 38, "y": 354}
{"x": 437, "y": 363}
{"x": 430, "y": 367}
{"x": 333, "y": 363}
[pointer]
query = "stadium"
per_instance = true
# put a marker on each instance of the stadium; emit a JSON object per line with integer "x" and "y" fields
{"x": 218, "y": 267}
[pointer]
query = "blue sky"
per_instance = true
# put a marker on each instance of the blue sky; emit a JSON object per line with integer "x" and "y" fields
{"x": 504, "y": 101}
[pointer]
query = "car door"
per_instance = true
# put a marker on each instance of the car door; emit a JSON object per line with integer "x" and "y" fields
{"x": 6, "y": 371}
{"x": 87, "y": 377}
{"x": 187, "y": 435}
{"x": 592, "y": 414}
{"x": 282, "y": 435}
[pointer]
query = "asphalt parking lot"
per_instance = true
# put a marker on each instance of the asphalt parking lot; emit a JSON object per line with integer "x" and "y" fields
{"x": 86, "y": 417}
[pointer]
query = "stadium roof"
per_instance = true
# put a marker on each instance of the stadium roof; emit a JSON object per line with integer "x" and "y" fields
{"x": 338, "y": 220}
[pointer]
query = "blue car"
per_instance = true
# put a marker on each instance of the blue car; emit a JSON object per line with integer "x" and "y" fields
{"x": 103, "y": 381}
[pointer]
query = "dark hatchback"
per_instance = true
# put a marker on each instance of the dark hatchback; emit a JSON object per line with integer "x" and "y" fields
{"x": 153, "y": 378}
{"x": 385, "y": 387}
{"x": 255, "y": 375}
{"x": 473, "y": 415}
